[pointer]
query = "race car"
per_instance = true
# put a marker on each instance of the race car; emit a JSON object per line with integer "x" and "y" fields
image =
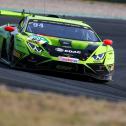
{"x": 49, "y": 42}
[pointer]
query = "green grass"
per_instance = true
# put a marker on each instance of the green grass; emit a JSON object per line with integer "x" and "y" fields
{"x": 48, "y": 109}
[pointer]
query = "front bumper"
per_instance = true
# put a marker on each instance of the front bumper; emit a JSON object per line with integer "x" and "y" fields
{"x": 95, "y": 70}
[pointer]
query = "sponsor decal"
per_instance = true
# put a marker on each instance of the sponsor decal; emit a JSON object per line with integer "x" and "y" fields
{"x": 65, "y": 43}
{"x": 71, "y": 51}
{"x": 68, "y": 59}
{"x": 59, "y": 49}
{"x": 38, "y": 39}
{"x": 68, "y": 51}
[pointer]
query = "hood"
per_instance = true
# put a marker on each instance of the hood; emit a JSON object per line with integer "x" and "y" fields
{"x": 65, "y": 47}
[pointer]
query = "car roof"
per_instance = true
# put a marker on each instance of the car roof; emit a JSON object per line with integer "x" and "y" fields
{"x": 62, "y": 20}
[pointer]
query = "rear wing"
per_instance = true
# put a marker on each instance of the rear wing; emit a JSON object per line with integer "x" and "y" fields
{"x": 14, "y": 14}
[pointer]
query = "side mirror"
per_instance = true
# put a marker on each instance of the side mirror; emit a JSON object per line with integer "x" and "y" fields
{"x": 107, "y": 42}
{"x": 9, "y": 28}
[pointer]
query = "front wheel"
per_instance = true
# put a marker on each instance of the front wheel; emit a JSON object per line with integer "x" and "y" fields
{"x": 105, "y": 80}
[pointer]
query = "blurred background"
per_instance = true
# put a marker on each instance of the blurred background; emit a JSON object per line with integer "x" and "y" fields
{"x": 120, "y": 1}
{"x": 87, "y": 8}
{"x": 30, "y": 108}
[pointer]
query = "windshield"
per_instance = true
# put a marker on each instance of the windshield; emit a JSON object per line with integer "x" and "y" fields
{"x": 61, "y": 30}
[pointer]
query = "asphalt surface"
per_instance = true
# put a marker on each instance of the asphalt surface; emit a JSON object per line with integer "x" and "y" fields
{"x": 75, "y": 85}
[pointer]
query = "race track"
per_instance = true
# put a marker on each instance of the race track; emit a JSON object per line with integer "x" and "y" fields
{"x": 64, "y": 83}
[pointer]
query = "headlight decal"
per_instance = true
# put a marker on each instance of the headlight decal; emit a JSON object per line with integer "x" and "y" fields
{"x": 99, "y": 56}
{"x": 35, "y": 48}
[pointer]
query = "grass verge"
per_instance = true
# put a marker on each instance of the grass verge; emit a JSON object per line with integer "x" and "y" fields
{"x": 48, "y": 109}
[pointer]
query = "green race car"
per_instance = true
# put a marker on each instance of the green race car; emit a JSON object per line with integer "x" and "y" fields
{"x": 43, "y": 42}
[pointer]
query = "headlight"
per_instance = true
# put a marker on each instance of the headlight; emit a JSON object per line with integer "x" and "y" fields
{"x": 99, "y": 56}
{"x": 34, "y": 47}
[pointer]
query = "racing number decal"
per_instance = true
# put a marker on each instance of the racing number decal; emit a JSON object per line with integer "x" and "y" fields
{"x": 38, "y": 25}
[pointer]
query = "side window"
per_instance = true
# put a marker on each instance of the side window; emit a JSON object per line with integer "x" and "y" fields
{"x": 91, "y": 36}
{"x": 22, "y": 24}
